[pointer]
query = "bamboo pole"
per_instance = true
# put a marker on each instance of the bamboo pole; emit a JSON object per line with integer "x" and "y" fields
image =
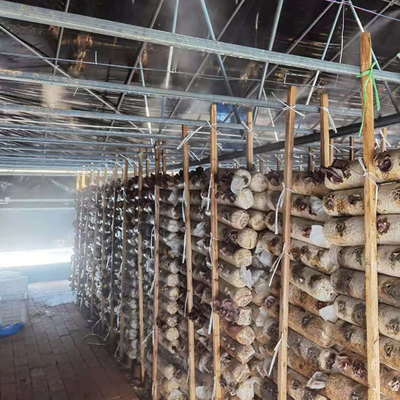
{"x": 384, "y": 138}
{"x": 331, "y": 150}
{"x": 124, "y": 260}
{"x": 147, "y": 163}
{"x": 96, "y": 232}
{"x": 189, "y": 271}
{"x": 164, "y": 161}
{"x": 140, "y": 272}
{"x": 103, "y": 249}
{"x": 156, "y": 270}
{"x": 83, "y": 180}
{"x": 287, "y": 227}
{"x": 249, "y": 141}
{"x": 112, "y": 314}
{"x": 352, "y": 150}
{"x": 310, "y": 160}
{"x": 371, "y": 275}
{"x": 78, "y": 183}
{"x": 324, "y": 122}
{"x": 214, "y": 251}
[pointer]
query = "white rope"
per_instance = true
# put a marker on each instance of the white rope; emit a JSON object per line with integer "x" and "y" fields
{"x": 188, "y": 137}
{"x": 152, "y": 242}
{"x": 209, "y": 195}
{"x": 186, "y": 301}
{"x": 183, "y": 205}
{"x": 184, "y": 249}
{"x": 369, "y": 176}
{"x": 211, "y": 324}
{"x": 331, "y": 121}
{"x": 279, "y": 204}
{"x": 255, "y": 135}
{"x": 152, "y": 285}
{"x": 384, "y": 139}
{"x": 276, "y": 264}
{"x": 335, "y": 148}
{"x": 145, "y": 339}
{"x": 214, "y": 389}
{"x": 287, "y": 107}
{"x": 276, "y": 350}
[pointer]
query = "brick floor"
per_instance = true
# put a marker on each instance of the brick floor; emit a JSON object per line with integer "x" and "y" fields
{"x": 48, "y": 360}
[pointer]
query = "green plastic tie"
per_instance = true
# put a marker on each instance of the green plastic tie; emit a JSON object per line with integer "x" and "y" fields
{"x": 370, "y": 76}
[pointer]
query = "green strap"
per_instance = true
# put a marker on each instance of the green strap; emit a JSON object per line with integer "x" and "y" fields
{"x": 370, "y": 74}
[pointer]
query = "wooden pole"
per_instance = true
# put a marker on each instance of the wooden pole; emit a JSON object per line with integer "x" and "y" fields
{"x": 214, "y": 251}
{"x": 384, "y": 134}
{"x": 147, "y": 164}
{"x": 287, "y": 227}
{"x": 249, "y": 141}
{"x": 371, "y": 274}
{"x": 324, "y": 122}
{"x": 140, "y": 272}
{"x": 83, "y": 185}
{"x": 103, "y": 250}
{"x": 112, "y": 261}
{"x": 96, "y": 232}
{"x": 310, "y": 160}
{"x": 352, "y": 150}
{"x": 189, "y": 272}
{"x": 278, "y": 165}
{"x": 124, "y": 261}
{"x": 78, "y": 183}
{"x": 156, "y": 270}
{"x": 164, "y": 160}
{"x": 261, "y": 166}
{"x": 331, "y": 150}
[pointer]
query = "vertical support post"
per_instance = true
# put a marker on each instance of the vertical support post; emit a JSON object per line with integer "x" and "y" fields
{"x": 278, "y": 165}
{"x": 249, "y": 141}
{"x": 78, "y": 183}
{"x": 324, "y": 122}
{"x": 287, "y": 227}
{"x": 103, "y": 248}
{"x": 156, "y": 269}
{"x": 214, "y": 251}
{"x": 164, "y": 160}
{"x": 135, "y": 169}
{"x": 147, "y": 163}
{"x": 124, "y": 260}
{"x": 331, "y": 150}
{"x": 261, "y": 166}
{"x": 96, "y": 232}
{"x": 189, "y": 271}
{"x": 384, "y": 134}
{"x": 371, "y": 274}
{"x": 352, "y": 150}
{"x": 83, "y": 185}
{"x": 113, "y": 229}
{"x": 310, "y": 160}
{"x": 140, "y": 271}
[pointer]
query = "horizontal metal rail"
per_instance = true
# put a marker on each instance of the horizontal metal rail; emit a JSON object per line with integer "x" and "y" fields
{"x": 23, "y": 12}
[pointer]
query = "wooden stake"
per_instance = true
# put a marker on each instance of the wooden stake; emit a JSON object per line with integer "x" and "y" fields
{"x": 78, "y": 183}
{"x": 189, "y": 272}
{"x": 140, "y": 272}
{"x": 324, "y": 122}
{"x": 352, "y": 150}
{"x": 214, "y": 251}
{"x": 249, "y": 141}
{"x": 383, "y": 145}
{"x": 371, "y": 275}
{"x": 261, "y": 166}
{"x": 112, "y": 261}
{"x": 287, "y": 227}
{"x": 147, "y": 163}
{"x": 96, "y": 232}
{"x": 124, "y": 261}
{"x": 103, "y": 250}
{"x": 156, "y": 270}
{"x": 331, "y": 150}
{"x": 278, "y": 164}
{"x": 164, "y": 160}
{"x": 83, "y": 185}
{"x": 310, "y": 160}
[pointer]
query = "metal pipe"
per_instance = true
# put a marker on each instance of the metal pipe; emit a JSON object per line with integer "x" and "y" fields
{"x": 60, "y": 38}
{"x": 392, "y": 99}
{"x": 14, "y": 108}
{"x": 40, "y": 15}
{"x": 15, "y": 157}
{"x": 59, "y": 69}
{"x": 328, "y": 42}
{"x": 29, "y": 77}
{"x": 207, "y": 56}
{"x": 219, "y": 58}
{"x": 169, "y": 63}
{"x": 250, "y": 92}
{"x": 275, "y": 24}
{"x": 348, "y": 130}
